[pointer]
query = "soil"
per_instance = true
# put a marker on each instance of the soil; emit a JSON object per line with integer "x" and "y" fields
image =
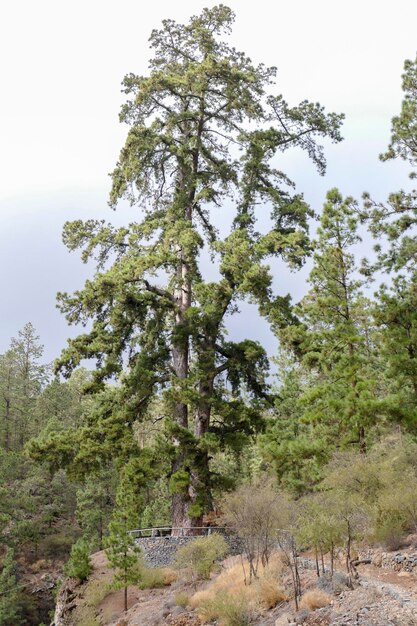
{"x": 379, "y": 598}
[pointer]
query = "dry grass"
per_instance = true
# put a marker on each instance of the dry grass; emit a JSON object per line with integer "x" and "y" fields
{"x": 315, "y": 599}
{"x": 229, "y": 587}
{"x": 39, "y": 565}
{"x": 96, "y": 591}
{"x": 85, "y": 613}
{"x": 270, "y": 593}
{"x": 153, "y": 578}
{"x": 227, "y": 610}
{"x": 169, "y": 575}
{"x": 182, "y": 599}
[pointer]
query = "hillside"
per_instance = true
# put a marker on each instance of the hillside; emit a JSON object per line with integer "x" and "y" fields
{"x": 380, "y": 597}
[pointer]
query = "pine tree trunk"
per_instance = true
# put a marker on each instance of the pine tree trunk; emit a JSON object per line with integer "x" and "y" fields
{"x": 180, "y": 364}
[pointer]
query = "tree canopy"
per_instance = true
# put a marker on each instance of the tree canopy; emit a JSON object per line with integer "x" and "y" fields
{"x": 204, "y": 140}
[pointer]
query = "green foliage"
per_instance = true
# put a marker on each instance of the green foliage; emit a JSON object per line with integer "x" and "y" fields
{"x": 397, "y": 218}
{"x": 33, "y": 503}
{"x": 122, "y": 551}
{"x": 320, "y": 525}
{"x": 79, "y": 564}
{"x": 200, "y": 100}
{"x": 179, "y": 481}
{"x": 95, "y": 502}
{"x": 366, "y": 490}
{"x": 333, "y": 393}
{"x": 58, "y": 544}
{"x": 201, "y": 555}
{"x": 290, "y": 447}
{"x": 157, "y": 511}
{"x": 9, "y": 593}
{"x": 395, "y": 316}
{"x": 22, "y": 379}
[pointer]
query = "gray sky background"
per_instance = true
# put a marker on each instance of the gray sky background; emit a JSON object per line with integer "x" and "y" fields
{"x": 61, "y": 68}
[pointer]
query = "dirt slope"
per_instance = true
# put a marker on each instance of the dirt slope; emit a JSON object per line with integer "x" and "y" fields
{"x": 380, "y": 598}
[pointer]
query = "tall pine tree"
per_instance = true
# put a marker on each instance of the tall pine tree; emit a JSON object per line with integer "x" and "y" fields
{"x": 334, "y": 334}
{"x": 203, "y": 141}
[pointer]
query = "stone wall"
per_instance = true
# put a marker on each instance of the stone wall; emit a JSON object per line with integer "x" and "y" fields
{"x": 160, "y": 551}
{"x": 397, "y": 561}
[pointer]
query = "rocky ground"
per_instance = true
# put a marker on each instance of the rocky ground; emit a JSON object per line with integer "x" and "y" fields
{"x": 381, "y": 597}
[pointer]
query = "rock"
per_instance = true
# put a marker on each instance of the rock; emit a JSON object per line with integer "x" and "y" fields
{"x": 178, "y": 610}
{"x": 168, "y": 605}
{"x": 284, "y": 620}
{"x": 159, "y": 619}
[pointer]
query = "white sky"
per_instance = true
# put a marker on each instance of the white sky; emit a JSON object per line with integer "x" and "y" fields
{"x": 61, "y": 68}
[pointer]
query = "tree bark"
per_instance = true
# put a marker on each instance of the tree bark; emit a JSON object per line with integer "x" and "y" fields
{"x": 180, "y": 365}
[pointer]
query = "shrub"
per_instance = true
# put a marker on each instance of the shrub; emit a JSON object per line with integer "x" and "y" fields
{"x": 315, "y": 599}
{"x": 153, "y": 577}
{"x": 182, "y": 599}
{"x": 257, "y": 511}
{"x": 231, "y": 600}
{"x": 96, "y": 591}
{"x": 85, "y": 613}
{"x": 39, "y": 565}
{"x": 229, "y": 609}
{"x": 79, "y": 564}
{"x": 270, "y": 594}
{"x": 86, "y": 616}
{"x": 58, "y": 545}
{"x": 390, "y": 533}
{"x": 201, "y": 555}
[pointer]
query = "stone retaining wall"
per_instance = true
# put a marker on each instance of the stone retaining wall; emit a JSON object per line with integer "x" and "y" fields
{"x": 397, "y": 561}
{"x": 160, "y": 551}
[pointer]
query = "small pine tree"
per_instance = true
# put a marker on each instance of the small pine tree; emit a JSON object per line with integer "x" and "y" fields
{"x": 122, "y": 551}
{"x": 9, "y": 597}
{"x": 79, "y": 564}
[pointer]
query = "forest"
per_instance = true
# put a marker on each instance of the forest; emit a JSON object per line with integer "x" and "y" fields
{"x": 152, "y": 416}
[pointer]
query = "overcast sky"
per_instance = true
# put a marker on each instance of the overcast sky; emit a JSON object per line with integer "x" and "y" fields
{"x": 61, "y": 68}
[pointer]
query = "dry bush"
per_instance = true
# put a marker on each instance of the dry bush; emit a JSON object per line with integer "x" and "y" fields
{"x": 169, "y": 575}
{"x": 155, "y": 577}
{"x": 182, "y": 599}
{"x": 40, "y": 565}
{"x": 227, "y": 609}
{"x": 270, "y": 593}
{"x": 200, "y": 597}
{"x": 266, "y": 592}
{"x": 257, "y": 511}
{"x": 230, "y": 581}
{"x": 315, "y": 599}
